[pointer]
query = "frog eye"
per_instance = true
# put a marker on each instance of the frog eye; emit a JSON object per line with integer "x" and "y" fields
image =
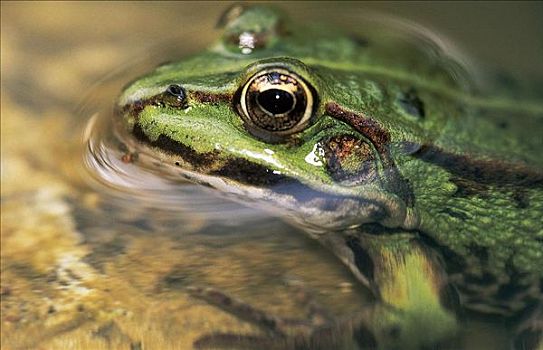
{"x": 276, "y": 100}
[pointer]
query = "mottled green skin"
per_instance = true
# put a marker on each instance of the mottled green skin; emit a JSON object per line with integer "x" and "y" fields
{"x": 368, "y": 80}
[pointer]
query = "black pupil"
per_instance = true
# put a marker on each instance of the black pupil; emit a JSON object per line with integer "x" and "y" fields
{"x": 275, "y": 101}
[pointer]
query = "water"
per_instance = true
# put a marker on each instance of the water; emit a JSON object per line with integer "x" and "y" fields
{"x": 103, "y": 258}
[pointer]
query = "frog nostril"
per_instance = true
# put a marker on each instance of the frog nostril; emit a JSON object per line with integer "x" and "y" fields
{"x": 177, "y": 91}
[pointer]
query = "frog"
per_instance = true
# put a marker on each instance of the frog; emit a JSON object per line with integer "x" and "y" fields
{"x": 429, "y": 191}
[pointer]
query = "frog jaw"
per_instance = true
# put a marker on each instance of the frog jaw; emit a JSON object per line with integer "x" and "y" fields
{"x": 319, "y": 211}
{"x": 277, "y": 177}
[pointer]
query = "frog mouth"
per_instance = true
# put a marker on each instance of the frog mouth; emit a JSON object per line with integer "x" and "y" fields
{"x": 252, "y": 184}
{"x": 318, "y": 207}
{"x": 317, "y": 210}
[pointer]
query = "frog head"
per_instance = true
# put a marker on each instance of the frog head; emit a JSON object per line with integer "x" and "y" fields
{"x": 267, "y": 115}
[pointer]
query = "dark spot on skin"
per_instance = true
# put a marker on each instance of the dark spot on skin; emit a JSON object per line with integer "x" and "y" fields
{"x": 514, "y": 286}
{"x": 503, "y": 125}
{"x": 480, "y": 252}
{"x": 365, "y": 338}
{"x": 411, "y": 103}
{"x": 380, "y": 139}
{"x": 362, "y": 259}
{"x": 497, "y": 173}
{"x": 454, "y": 213}
{"x": 167, "y": 144}
{"x": 350, "y": 160}
{"x": 466, "y": 188}
{"x": 521, "y": 198}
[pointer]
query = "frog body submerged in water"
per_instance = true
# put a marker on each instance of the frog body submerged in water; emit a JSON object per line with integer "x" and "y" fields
{"x": 430, "y": 195}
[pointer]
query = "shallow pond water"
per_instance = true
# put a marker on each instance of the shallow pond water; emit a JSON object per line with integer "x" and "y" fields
{"x": 98, "y": 253}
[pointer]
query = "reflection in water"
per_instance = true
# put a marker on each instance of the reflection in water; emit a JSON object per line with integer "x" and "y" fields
{"x": 112, "y": 165}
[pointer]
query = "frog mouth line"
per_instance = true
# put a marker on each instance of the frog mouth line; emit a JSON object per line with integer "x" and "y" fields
{"x": 318, "y": 211}
{"x": 313, "y": 208}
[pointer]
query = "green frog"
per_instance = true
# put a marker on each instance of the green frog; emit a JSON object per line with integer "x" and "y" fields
{"x": 431, "y": 194}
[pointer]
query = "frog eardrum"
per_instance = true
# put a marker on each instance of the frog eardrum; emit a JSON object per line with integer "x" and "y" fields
{"x": 277, "y": 101}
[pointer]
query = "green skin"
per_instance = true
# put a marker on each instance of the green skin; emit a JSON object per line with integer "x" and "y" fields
{"x": 456, "y": 180}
